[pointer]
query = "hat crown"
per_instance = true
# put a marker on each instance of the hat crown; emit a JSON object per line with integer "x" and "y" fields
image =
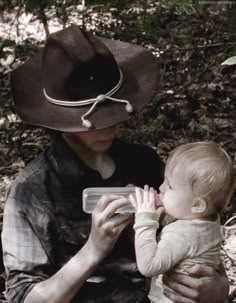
{"x": 76, "y": 66}
{"x": 78, "y": 77}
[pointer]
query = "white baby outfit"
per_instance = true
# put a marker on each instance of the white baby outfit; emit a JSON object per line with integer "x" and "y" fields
{"x": 182, "y": 244}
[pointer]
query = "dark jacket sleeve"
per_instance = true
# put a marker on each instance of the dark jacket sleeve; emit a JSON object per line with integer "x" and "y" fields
{"x": 25, "y": 258}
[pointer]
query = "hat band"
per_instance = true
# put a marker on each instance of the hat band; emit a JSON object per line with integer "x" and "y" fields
{"x": 94, "y": 101}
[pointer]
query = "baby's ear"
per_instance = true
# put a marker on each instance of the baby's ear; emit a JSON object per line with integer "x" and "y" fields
{"x": 198, "y": 206}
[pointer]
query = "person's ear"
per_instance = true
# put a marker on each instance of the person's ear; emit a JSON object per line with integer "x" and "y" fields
{"x": 198, "y": 206}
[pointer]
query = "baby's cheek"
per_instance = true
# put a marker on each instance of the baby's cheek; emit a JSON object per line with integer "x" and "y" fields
{"x": 167, "y": 200}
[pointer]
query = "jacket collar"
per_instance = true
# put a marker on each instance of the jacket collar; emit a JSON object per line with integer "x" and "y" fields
{"x": 68, "y": 166}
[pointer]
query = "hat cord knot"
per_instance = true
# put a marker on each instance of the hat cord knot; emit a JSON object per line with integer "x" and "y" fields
{"x": 100, "y": 98}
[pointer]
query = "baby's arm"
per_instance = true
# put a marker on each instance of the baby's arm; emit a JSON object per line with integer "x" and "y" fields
{"x": 154, "y": 258}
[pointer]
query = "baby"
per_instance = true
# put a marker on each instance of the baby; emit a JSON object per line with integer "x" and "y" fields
{"x": 199, "y": 182}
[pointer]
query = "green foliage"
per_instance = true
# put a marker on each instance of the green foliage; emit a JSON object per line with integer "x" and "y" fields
{"x": 31, "y": 5}
{"x": 230, "y": 61}
{"x": 145, "y": 23}
{"x": 119, "y": 4}
{"x": 184, "y": 4}
{"x": 38, "y": 7}
{"x": 5, "y": 43}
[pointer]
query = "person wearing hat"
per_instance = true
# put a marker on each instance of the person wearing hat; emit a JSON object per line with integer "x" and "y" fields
{"x": 80, "y": 87}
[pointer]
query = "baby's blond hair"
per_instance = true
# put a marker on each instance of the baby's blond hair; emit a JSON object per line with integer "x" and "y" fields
{"x": 208, "y": 168}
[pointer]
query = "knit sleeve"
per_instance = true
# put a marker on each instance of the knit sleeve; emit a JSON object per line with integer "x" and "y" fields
{"x": 154, "y": 257}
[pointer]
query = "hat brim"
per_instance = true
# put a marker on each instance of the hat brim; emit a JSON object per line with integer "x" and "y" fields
{"x": 141, "y": 75}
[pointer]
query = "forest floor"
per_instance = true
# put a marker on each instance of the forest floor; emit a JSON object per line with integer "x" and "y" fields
{"x": 196, "y": 99}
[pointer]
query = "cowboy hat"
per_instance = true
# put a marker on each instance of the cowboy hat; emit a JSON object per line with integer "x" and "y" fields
{"x": 80, "y": 81}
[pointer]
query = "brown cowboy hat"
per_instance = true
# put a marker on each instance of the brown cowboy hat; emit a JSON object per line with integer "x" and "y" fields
{"x": 81, "y": 81}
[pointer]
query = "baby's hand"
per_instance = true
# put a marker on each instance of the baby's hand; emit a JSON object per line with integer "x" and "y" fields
{"x": 158, "y": 202}
{"x": 145, "y": 200}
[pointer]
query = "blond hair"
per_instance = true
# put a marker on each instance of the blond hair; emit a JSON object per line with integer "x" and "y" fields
{"x": 208, "y": 168}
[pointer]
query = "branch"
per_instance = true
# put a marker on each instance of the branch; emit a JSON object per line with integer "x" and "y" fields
{"x": 199, "y": 46}
{"x": 32, "y": 144}
{"x": 83, "y": 12}
{"x": 16, "y": 19}
{"x": 195, "y": 78}
{"x": 10, "y": 167}
{"x": 42, "y": 16}
{"x": 161, "y": 94}
{"x": 231, "y": 296}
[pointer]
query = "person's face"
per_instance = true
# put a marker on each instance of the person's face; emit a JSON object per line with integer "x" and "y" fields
{"x": 176, "y": 195}
{"x": 96, "y": 141}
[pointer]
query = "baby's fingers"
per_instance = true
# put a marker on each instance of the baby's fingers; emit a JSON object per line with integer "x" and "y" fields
{"x": 152, "y": 197}
{"x": 146, "y": 194}
{"x": 133, "y": 201}
{"x": 139, "y": 196}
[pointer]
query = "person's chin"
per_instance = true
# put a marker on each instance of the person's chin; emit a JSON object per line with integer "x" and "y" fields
{"x": 102, "y": 146}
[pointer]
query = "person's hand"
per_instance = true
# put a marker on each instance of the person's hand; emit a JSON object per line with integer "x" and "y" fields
{"x": 202, "y": 285}
{"x": 145, "y": 200}
{"x": 107, "y": 225}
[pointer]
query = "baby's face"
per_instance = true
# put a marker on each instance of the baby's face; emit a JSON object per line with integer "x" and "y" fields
{"x": 176, "y": 195}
